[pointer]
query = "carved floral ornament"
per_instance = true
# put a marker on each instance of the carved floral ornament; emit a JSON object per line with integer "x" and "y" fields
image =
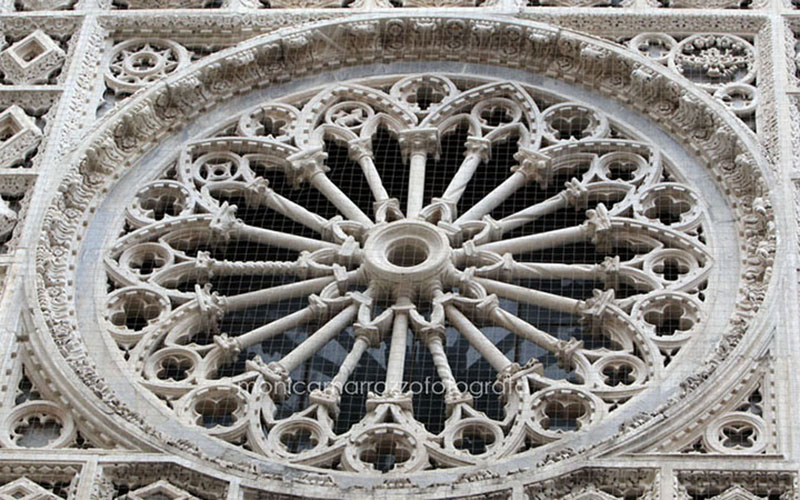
{"x": 463, "y": 268}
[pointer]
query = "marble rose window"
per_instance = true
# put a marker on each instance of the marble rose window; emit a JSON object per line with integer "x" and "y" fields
{"x": 407, "y": 272}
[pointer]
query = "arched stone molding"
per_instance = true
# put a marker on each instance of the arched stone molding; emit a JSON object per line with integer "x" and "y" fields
{"x": 121, "y": 138}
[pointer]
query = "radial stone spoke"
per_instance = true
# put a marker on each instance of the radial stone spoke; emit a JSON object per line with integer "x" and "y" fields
{"x": 530, "y": 296}
{"x": 349, "y": 365}
{"x": 533, "y": 212}
{"x": 525, "y": 330}
{"x": 279, "y": 239}
{"x": 260, "y": 191}
{"x": 362, "y": 153}
{"x": 310, "y": 165}
{"x": 189, "y": 270}
{"x": 496, "y": 197}
{"x": 318, "y": 339}
{"x": 548, "y": 271}
{"x": 339, "y": 199}
{"x": 477, "y": 339}
{"x": 477, "y": 152}
{"x": 279, "y": 293}
{"x": 416, "y": 145}
{"x": 595, "y": 229}
{"x": 397, "y": 348}
{"x": 436, "y": 347}
{"x": 275, "y": 328}
{"x": 416, "y": 184}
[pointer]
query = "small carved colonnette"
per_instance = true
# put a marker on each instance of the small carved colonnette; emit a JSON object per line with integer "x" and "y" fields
{"x": 537, "y": 48}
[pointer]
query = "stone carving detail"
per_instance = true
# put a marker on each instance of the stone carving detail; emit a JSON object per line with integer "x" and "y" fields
{"x": 136, "y": 63}
{"x": 34, "y": 422}
{"x": 37, "y": 480}
{"x": 15, "y": 192}
{"x": 712, "y": 61}
{"x": 160, "y": 107}
{"x": 28, "y": 5}
{"x": 724, "y": 65}
{"x": 598, "y": 484}
{"x": 160, "y": 489}
{"x": 736, "y": 485}
{"x": 145, "y": 481}
{"x": 454, "y": 259}
{"x": 738, "y": 426}
{"x": 19, "y": 136}
{"x": 32, "y": 59}
{"x": 25, "y": 489}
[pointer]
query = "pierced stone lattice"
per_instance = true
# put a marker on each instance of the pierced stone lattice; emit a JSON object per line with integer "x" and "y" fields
{"x": 592, "y": 233}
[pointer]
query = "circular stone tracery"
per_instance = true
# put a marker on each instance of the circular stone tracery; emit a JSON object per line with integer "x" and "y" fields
{"x": 526, "y": 255}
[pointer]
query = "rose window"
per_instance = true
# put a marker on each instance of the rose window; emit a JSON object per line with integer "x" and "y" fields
{"x": 405, "y": 273}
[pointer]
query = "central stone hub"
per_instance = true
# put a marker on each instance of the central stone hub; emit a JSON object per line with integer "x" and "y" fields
{"x": 406, "y": 252}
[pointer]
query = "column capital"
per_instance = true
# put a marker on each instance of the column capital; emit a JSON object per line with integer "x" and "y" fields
{"x": 598, "y": 227}
{"x": 211, "y": 306}
{"x": 419, "y": 140}
{"x": 478, "y": 146}
{"x": 230, "y": 346}
{"x": 535, "y": 166}
{"x": 566, "y": 351}
{"x": 257, "y": 191}
{"x": 576, "y": 194}
{"x": 306, "y": 165}
{"x": 224, "y": 222}
{"x": 359, "y": 148}
{"x": 594, "y": 310}
{"x": 274, "y": 374}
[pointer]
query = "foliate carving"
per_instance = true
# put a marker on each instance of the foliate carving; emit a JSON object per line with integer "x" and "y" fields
{"x": 714, "y": 60}
{"x": 724, "y": 65}
{"x": 32, "y": 59}
{"x": 138, "y": 62}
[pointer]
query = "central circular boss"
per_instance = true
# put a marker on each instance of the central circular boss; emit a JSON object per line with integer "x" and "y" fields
{"x": 406, "y": 252}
